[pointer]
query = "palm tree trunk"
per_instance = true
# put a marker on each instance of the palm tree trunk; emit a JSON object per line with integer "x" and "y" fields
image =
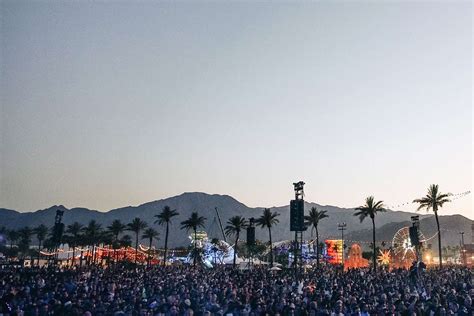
{"x": 235, "y": 249}
{"x": 73, "y": 254}
{"x": 271, "y": 246}
{"x": 115, "y": 248}
{"x": 39, "y": 249}
{"x": 195, "y": 253}
{"x": 149, "y": 252}
{"x": 136, "y": 247}
{"x": 166, "y": 243}
{"x": 373, "y": 242}
{"x": 439, "y": 238}
{"x": 317, "y": 247}
{"x": 115, "y": 251}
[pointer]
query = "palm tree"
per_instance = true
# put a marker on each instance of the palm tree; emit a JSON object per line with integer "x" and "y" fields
{"x": 268, "y": 220}
{"x": 125, "y": 241}
{"x": 234, "y": 226}
{"x": 136, "y": 226}
{"x": 313, "y": 220}
{"x": 369, "y": 210}
{"x": 434, "y": 200}
{"x": 193, "y": 223}
{"x": 150, "y": 234}
{"x": 25, "y": 234}
{"x": 12, "y": 236}
{"x": 164, "y": 218}
{"x": 74, "y": 231}
{"x": 92, "y": 234}
{"x": 116, "y": 228}
{"x": 106, "y": 238}
{"x": 215, "y": 248}
{"x": 41, "y": 232}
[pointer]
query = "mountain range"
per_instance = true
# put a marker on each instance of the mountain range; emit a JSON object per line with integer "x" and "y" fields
{"x": 387, "y": 223}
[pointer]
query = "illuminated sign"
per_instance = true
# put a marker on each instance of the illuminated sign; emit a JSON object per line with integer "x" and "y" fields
{"x": 334, "y": 250}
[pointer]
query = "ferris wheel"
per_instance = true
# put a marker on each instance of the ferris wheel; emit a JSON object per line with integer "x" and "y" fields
{"x": 401, "y": 243}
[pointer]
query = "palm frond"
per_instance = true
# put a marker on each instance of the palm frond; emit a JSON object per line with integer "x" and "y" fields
{"x": 235, "y": 225}
{"x": 433, "y": 199}
{"x": 370, "y": 209}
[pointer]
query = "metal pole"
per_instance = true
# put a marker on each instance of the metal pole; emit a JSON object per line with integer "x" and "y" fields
{"x": 342, "y": 233}
{"x": 295, "y": 255}
{"x": 463, "y": 252}
{"x": 301, "y": 251}
{"x": 220, "y": 224}
{"x": 299, "y": 196}
{"x": 342, "y": 228}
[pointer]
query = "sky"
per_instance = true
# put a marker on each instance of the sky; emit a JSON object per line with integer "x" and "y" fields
{"x": 110, "y": 104}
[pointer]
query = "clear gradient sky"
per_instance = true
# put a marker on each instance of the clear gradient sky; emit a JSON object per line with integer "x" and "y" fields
{"x": 110, "y": 104}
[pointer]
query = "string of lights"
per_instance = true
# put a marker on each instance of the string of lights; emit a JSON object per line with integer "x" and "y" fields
{"x": 453, "y": 197}
{"x": 378, "y": 241}
{"x": 141, "y": 248}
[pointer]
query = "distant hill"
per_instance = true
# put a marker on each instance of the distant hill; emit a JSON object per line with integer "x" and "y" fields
{"x": 451, "y": 225}
{"x": 205, "y": 204}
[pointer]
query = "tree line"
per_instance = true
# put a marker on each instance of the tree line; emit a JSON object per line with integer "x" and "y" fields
{"x": 77, "y": 235}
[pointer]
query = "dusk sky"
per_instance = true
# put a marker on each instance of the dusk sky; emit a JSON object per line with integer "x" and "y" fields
{"x": 110, "y": 104}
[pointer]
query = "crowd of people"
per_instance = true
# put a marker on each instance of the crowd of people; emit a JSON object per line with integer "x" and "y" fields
{"x": 188, "y": 290}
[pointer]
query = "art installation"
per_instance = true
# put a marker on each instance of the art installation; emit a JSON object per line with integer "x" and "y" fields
{"x": 101, "y": 254}
{"x": 354, "y": 259}
{"x": 384, "y": 257}
{"x": 213, "y": 251}
{"x": 334, "y": 250}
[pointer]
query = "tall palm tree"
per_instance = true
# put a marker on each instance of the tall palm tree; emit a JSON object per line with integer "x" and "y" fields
{"x": 125, "y": 241}
{"x": 434, "y": 200}
{"x": 234, "y": 226}
{"x": 12, "y": 236}
{"x": 116, "y": 228}
{"x": 370, "y": 209}
{"x": 215, "y": 248}
{"x": 106, "y": 238}
{"x": 25, "y": 234}
{"x": 92, "y": 234}
{"x": 268, "y": 220}
{"x": 74, "y": 230}
{"x": 164, "y": 218}
{"x": 150, "y": 234}
{"x": 41, "y": 232}
{"x": 136, "y": 226}
{"x": 313, "y": 220}
{"x": 193, "y": 223}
